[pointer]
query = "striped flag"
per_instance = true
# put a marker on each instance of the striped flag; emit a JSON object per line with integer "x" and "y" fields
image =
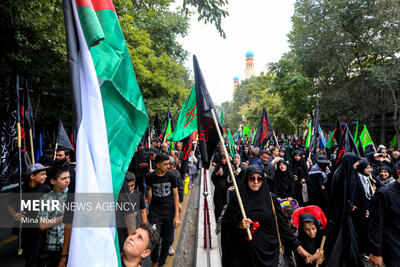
{"x": 110, "y": 118}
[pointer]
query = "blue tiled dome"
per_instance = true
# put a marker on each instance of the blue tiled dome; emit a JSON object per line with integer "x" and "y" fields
{"x": 249, "y": 54}
{"x": 236, "y": 78}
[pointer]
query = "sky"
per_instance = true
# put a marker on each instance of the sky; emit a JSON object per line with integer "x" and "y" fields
{"x": 260, "y": 26}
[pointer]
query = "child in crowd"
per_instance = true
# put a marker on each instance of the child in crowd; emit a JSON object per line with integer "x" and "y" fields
{"x": 51, "y": 218}
{"x": 139, "y": 245}
{"x": 33, "y": 188}
{"x": 310, "y": 236}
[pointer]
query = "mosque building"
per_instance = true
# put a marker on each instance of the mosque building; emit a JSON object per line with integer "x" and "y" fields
{"x": 248, "y": 70}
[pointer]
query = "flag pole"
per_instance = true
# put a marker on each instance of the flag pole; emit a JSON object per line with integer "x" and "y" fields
{"x": 231, "y": 173}
{"x": 19, "y": 164}
{"x": 276, "y": 140}
{"x": 321, "y": 247}
{"x": 55, "y": 151}
{"x": 31, "y": 141}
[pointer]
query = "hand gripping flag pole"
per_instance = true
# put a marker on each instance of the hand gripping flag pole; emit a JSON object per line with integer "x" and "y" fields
{"x": 231, "y": 173}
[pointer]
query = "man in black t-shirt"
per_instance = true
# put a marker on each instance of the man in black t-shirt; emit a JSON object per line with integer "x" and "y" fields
{"x": 163, "y": 199}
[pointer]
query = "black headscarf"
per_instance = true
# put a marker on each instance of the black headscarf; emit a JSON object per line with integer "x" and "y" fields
{"x": 263, "y": 249}
{"x": 284, "y": 181}
{"x": 299, "y": 168}
{"x": 362, "y": 166}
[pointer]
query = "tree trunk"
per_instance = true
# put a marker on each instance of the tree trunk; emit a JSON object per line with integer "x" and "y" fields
{"x": 382, "y": 130}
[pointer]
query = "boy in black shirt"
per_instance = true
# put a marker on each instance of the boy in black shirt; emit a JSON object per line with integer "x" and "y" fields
{"x": 33, "y": 189}
{"x": 162, "y": 196}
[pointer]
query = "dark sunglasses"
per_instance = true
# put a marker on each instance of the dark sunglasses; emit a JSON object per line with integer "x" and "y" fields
{"x": 253, "y": 179}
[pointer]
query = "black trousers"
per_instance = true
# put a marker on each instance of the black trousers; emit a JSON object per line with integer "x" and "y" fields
{"x": 165, "y": 230}
{"x": 31, "y": 244}
{"x": 54, "y": 258}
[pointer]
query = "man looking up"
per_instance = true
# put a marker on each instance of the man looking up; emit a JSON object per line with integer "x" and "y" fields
{"x": 163, "y": 199}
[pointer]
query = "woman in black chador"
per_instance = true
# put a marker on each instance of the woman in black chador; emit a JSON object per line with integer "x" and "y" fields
{"x": 263, "y": 250}
{"x": 348, "y": 199}
{"x": 284, "y": 181}
{"x": 299, "y": 169}
{"x": 219, "y": 179}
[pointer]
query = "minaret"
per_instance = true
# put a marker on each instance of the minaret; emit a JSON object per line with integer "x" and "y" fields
{"x": 235, "y": 82}
{"x": 249, "y": 70}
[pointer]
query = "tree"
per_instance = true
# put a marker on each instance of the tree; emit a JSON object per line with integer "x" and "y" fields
{"x": 347, "y": 48}
{"x": 250, "y": 96}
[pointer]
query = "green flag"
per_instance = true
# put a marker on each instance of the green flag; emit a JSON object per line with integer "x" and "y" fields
{"x": 365, "y": 137}
{"x": 309, "y": 134}
{"x": 231, "y": 144}
{"x": 356, "y": 135}
{"x": 331, "y": 142}
{"x": 168, "y": 132}
{"x": 246, "y": 130}
{"x": 187, "y": 120}
{"x": 222, "y": 116}
{"x": 393, "y": 142}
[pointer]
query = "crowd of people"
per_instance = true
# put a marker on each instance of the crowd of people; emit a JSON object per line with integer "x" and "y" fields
{"x": 153, "y": 185}
{"x": 294, "y": 200}
{"x": 359, "y": 197}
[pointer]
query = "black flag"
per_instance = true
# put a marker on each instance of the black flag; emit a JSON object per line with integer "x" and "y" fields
{"x": 145, "y": 138}
{"x": 346, "y": 143}
{"x": 8, "y": 145}
{"x": 315, "y": 133}
{"x": 264, "y": 131}
{"x": 29, "y": 121}
{"x": 157, "y": 128}
{"x": 208, "y": 135}
{"x": 62, "y": 137}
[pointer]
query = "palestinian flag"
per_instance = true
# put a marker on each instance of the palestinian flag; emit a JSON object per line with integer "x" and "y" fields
{"x": 109, "y": 116}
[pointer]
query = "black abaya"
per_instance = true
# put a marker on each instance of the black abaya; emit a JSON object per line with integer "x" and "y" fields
{"x": 263, "y": 250}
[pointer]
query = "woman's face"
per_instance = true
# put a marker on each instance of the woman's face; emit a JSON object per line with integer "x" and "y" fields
{"x": 282, "y": 167}
{"x": 223, "y": 161}
{"x": 246, "y": 149}
{"x": 368, "y": 170}
{"x": 236, "y": 160}
{"x": 255, "y": 181}
{"x": 384, "y": 174}
{"x": 297, "y": 157}
{"x": 310, "y": 229}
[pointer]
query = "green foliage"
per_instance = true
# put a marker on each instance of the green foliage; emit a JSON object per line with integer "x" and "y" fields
{"x": 33, "y": 46}
{"x": 248, "y": 101}
{"x": 294, "y": 89}
{"x": 343, "y": 47}
{"x": 210, "y": 11}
